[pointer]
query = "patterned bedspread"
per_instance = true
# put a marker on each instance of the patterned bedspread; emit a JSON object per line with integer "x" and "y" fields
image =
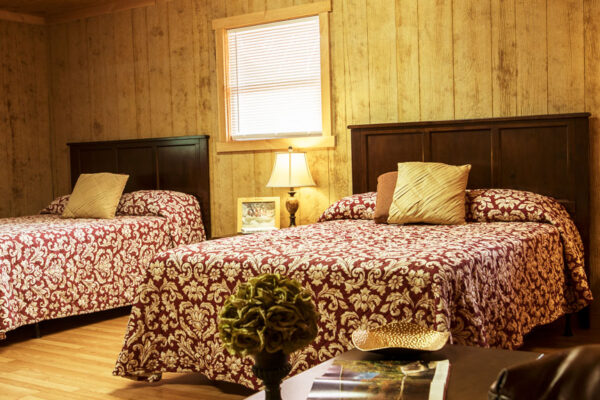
{"x": 52, "y": 267}
{"x": 486, "y": 282}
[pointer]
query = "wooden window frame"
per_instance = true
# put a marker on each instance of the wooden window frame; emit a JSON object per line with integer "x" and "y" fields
{"x": 225, "y": 143}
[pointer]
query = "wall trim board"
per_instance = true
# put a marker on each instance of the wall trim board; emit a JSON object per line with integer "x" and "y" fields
{"x": 22, "y": 18}
{"x": 101, "y": 9}
{"x": 81, "y": 13}
{"x": 274, "y": 15}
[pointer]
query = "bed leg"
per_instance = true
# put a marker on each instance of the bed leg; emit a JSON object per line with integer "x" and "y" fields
{"x": 568, "y": 327}
{"x": 36, "y": 330}
{"x": 584, "y": 318}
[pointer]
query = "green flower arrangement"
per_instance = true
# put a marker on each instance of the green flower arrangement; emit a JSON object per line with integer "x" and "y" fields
{"x": 268, "y": 313}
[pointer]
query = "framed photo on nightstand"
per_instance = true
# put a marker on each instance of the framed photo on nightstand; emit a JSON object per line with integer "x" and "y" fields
{"x": 258, "y": 214}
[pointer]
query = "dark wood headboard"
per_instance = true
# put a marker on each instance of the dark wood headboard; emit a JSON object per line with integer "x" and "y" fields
{"x": 174, "y": 163}
{"x": 547, "y": 154}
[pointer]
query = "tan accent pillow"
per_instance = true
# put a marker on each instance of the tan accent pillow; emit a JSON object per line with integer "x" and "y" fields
{"x": 433, "y": 193}
{"x": 95, "y": 196}
{"x": 386, "y": 183}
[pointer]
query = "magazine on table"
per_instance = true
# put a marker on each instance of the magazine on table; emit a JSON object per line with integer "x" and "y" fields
{"x": 382, "y": 380}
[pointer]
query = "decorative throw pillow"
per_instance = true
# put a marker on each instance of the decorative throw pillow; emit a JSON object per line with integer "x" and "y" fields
{"x": 57, "y": 206}
{"x": 432, "y": 193}
{"x": 509, "y": 205}
{"x": 181, "y": 210}
{"x": 356, "y": 206}
{"x": 95, "y": 196}
{"x": 386, "y": 183}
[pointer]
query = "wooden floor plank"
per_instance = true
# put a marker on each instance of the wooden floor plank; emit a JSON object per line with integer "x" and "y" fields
{"x": 14, "y": 391}
{"x": 32, "y": 381}
{"x": 49, "y": 342}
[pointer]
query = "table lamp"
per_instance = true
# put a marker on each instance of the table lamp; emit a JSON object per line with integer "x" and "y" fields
{"x": 291, "y": 170}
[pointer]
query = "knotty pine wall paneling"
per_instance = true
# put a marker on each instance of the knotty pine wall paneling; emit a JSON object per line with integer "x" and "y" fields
{"x": 151, "y": 72}
{"x": 504, "y": 58}
{"x": 25, "y": 168}
{"x": 472, "y": 84}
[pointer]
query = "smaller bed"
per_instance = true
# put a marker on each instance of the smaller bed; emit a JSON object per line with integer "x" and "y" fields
{"x": 52, "y": 267}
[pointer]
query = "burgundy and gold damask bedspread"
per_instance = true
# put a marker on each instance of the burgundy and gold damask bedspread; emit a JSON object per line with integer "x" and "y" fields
{"x": 488, "y": 283}
{"x": 52, "y": 267}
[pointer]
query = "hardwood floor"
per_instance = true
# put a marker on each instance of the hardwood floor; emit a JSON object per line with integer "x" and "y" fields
{"x": 75, "y": 357}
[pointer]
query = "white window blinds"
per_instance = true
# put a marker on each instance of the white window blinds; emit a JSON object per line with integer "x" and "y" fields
{"x": 274, "y": 80}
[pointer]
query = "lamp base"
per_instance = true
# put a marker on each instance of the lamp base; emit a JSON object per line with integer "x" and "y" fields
{"x": 291, "y": 204}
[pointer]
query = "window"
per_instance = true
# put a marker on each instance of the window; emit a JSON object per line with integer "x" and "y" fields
{"x": 273, "y": 79}
{"x": 274, "y": 85}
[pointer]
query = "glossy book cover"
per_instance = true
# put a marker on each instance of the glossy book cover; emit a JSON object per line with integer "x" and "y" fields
{"x": 382, "y": 380}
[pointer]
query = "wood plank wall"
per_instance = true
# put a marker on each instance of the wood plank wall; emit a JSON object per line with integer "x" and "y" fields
{"x": 151, "y": 72}
{"x": 25, "y": 168}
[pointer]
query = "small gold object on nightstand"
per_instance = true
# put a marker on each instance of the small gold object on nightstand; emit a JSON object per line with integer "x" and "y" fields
{"x": 291, "y": 170}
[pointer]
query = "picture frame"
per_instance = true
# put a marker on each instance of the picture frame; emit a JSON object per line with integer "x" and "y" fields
{"x": 258, "y": 214}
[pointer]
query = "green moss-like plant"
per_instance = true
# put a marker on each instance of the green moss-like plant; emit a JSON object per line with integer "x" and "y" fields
{"x": 269, "y": 313}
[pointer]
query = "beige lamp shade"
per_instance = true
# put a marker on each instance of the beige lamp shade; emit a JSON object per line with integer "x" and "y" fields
{"x": 290, "y": 173}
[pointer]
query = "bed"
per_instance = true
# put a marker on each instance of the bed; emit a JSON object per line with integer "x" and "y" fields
{"x": 518, "y": 263}
{"x": 52, "y": 267}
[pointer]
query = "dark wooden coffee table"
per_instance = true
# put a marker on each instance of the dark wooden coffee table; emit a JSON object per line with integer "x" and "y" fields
{"x": 472, "y": 370}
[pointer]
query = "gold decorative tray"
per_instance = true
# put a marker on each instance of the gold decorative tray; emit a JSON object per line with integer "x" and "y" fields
{"x": 399, "y": 335}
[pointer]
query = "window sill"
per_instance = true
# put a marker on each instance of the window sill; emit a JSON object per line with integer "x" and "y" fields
{"x": 324, "y": 142}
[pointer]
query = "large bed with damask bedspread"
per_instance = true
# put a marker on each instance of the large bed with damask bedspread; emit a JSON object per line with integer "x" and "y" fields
{"x": 488, "y": 283}
{"x": 519, "y": 261}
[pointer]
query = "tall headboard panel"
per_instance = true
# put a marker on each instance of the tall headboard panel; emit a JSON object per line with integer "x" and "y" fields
{"x": 174, "y": 163}
{"x": 546, "y": 154}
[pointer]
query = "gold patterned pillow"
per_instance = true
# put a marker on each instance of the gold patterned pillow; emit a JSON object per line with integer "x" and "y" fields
{"x": 432, "y": 193}
{"x": 95, "y": 196}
